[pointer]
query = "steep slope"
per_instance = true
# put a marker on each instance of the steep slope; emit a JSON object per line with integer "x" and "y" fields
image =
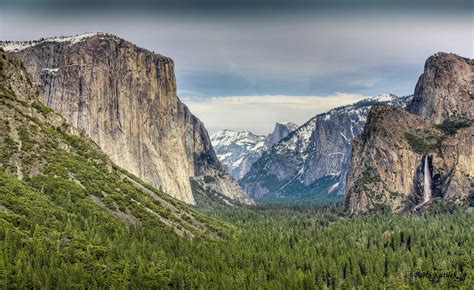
{"x": 124, "y": 98}
{"x": 47, "y": 163}
{"x": 404, "y": 159}
{"x": 312, "y": 162}
{"x": 238, "y": 150}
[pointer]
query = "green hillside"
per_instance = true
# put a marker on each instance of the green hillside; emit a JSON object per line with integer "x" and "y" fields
{"x": 64, "y": 201}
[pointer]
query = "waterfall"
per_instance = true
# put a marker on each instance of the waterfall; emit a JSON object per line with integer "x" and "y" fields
{"x": 426, "y": 181}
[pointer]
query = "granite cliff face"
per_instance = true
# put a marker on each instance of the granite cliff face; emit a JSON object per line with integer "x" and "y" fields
{"x": 280, "y": 132}
{"x": 312, "y": 162}
{"x": 405, "y": 158}
{"x": 444, "y": 89}
{"x": 238, "y": 150}
{"x": 50, "y": 170}
{"x": 124, "y": 98}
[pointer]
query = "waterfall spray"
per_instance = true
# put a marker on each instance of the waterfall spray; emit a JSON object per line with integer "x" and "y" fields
{"x": 427, "y": 184}
{"x": 427, "y": 181}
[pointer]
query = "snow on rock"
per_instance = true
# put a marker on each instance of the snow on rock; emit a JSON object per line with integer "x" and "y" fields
{"x": 317, "y": 150}
{"x": 51, "y": 71}
{"x": 234, "y": 148}
{"x": 238, "y": 150}
{"x": 333, "y": 187}
{"x": 384, "y": 97}
{"x": 20, "y": 45}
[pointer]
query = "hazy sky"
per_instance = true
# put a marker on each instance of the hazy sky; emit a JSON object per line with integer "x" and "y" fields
{"x": 247, "y": 64}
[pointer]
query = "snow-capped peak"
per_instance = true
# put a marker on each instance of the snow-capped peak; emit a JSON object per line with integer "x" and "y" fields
{"x": 238, "y": 150}
{"x": 227, "y": 137}
{"x": 20, "y": 45}
{"x": 289, "y": 125}
{"x": 384, "y": 97}
{"x": 358, "y": 113}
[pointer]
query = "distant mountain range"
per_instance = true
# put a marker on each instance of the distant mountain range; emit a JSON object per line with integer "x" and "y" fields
{"x": 312, "y": 162}
{"x": 238, "y": 150}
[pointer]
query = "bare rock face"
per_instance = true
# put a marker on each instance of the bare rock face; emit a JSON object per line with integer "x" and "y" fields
{"x": 445, "y": 88}
{"x": 383, "y": 164}
{"x": 405, "y": 158}
{"x": 124, "y": 97}
{"x": 280, "y": 132}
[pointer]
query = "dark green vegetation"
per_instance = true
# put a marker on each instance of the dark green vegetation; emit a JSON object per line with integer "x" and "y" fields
{"x": 428, "y": 140}
{"x": 321, "y": 191}
{"x": 41, "y": 107}
{"x": 65, "y": 209}
{"x": 424, "y": 141}
{"x": 276, "y": 248}
{"x": 451, "y": 125}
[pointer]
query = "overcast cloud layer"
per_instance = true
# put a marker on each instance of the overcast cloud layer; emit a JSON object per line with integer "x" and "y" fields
{"x": 266, "y": 48}
{"x": 262, "y": 112}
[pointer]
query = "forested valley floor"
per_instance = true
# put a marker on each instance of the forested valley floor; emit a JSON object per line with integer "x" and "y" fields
{"x": 274, "y": 247}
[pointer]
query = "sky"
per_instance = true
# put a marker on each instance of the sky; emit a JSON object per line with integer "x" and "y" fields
{"x": 245, "y": 64}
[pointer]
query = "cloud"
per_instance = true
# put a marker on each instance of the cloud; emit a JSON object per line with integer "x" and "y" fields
{"x": 310, "y": 53}
{"x": 365, "y": 83}
{"x": 238, "y": 6}
{"x": 260, "y": 113}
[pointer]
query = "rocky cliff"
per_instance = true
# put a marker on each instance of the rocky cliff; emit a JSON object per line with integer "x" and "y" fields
{"x": 405, "y": 158}
{"x": 312, "y": 162}
{"x": 280, "y": 132}
{"x": 124, "y": 97}
{"x": 238, "y": 150}
{"x": 444, "y": 89}
{"x": 50, "y": 173}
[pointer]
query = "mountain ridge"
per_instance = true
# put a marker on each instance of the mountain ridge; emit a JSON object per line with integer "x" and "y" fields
{"x": 238, "y": 150}
{"x": 312, "y": 161}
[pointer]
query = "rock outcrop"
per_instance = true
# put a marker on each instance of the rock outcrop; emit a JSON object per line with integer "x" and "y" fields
{"x": 445, "y": 88}
{"x": 124, "y": 97}
{"x": 403, "y": 154}
{"x": 238, "y": 150}
{"x": 312, "y": 162}
{"x": 280, "y": 132}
